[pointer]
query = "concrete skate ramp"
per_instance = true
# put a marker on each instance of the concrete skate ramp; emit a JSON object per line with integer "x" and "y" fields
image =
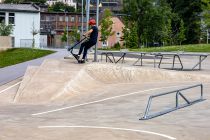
{"x": 48, "y": 86}
{"x": 108, "y": 73}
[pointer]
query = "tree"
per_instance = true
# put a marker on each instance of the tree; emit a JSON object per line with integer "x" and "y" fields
{"x": 151, "y": 17}
{"x": 126, "y": 33}
{"x": 60, "y": 6}
{"x": 181, "y": 35}
{"x": 22, "y": 1}
{"x": 190, "y": 12}
{"x": 130, "y": 36}
{"x": 13, "y": 1}
{"x": 138, "y": 11}
{"x": 167, "y": 35}
{"x": 64, "y": 36}
{"x": 106, "y": 26}
{"x": 5, "y": 30}
{"x": 206, "y": 13}
{"x": 34, "y": 32}
{"x": 74, "y": 34}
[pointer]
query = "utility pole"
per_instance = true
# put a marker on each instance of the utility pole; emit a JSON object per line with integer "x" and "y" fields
{"x": 87, "y": 14}
{"x": 67, "y": 28}
{"x": 97, "y": 21}
{"x": 82, "y": 17}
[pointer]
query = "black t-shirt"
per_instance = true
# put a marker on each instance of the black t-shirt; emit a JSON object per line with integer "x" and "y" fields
{"x": 94, "y": 34}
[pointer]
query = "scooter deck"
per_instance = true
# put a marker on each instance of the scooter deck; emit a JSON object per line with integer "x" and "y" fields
{"x": 71, "y": 49}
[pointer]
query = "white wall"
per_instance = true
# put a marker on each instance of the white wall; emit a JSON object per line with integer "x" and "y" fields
{"x": 43, "y": 41}
{"x": 23, "y": 27}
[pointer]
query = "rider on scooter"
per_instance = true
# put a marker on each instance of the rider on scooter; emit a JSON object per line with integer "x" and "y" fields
{"x": 93, "y": 37}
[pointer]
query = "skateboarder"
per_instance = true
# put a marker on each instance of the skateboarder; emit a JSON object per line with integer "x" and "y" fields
{"x": 93, "y": 37}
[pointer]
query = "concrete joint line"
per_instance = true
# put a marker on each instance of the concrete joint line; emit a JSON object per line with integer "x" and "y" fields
{"x": 112, "y": 128}
{"x": 10, "y": 87}
{"x": 102, "y": 100}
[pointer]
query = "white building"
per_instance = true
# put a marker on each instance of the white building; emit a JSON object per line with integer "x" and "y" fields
{"x": 25, "y": 18}
{"x": 69, "y": 2}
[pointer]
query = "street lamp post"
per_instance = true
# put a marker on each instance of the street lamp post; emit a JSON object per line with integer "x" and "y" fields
{"x": 97, "y": 20}
{"x": 67, "y": 28}
{"x": 82, "y": 17}
{"x": 87, "y": 13}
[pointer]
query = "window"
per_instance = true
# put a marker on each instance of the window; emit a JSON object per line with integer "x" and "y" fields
{"x": 11, "y": 18}
{"x": 2, "y": 17}
{"x": 66, "y": 19}
{"x": 80, "y": 19}
{"x": 42, "y": 17}
{"x": 60, "y": 18}
{"x": 104, "y": 43}
{"x": 47, "y": 18}
{"x": 85, "y": 19}
{"x": 52, "y": 18}
{"x": 72, "y": 19}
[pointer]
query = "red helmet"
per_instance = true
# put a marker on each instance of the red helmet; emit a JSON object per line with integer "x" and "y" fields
{"x": 92, "y": 22}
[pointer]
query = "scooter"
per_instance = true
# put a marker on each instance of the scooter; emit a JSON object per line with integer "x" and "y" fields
{"x": 71, "y": 48}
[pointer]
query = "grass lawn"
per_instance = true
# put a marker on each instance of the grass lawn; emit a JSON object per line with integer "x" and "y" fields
{"x": 185, "y": 48}
{"x": 18, "y": 55}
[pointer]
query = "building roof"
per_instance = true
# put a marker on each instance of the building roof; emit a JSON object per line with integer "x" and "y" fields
{"x": 19, "y": 8}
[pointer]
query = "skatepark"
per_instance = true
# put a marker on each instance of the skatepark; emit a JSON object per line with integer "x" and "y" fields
{"x": 61, "y": 99}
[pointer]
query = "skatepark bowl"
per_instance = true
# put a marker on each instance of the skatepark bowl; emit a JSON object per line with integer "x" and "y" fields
{"x": 61, "y": 99}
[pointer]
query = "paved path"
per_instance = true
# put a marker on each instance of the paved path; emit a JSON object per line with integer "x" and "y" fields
{"x": 10, "y": 73}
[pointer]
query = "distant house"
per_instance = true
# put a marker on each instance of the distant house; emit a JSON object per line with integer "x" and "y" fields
{"x": 24, "y": 18}
{"x": 68, "y": 2}
{"x": 115, "y": 6}
{"x": 117, "y": 28}
{"x": 53, "y": 24}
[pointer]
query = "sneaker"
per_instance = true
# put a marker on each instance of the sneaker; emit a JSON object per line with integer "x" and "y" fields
{"x": 81, "y": 61}
{"x": 76, "y": 56}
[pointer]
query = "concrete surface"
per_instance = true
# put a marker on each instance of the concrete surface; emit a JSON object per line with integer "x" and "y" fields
{"x": 13, "y": 72}
{"x": 102, "y": 101}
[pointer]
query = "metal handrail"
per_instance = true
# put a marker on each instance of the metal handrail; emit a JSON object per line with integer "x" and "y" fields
{"x": 178, "y": 94}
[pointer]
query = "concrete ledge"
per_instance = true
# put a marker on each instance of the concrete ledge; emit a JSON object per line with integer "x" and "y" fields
{"x": 4, "y": 49}
{"x": 6, "y": 42}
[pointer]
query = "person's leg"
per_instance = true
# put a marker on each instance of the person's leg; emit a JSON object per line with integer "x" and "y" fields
{"x": 82, "y": 47}
{"x": 87, "y": 47}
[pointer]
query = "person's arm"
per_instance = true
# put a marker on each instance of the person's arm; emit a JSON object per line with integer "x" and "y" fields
{"x": 88, "y": 32}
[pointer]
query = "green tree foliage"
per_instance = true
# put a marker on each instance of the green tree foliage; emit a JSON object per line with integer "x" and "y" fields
{"x": 130, "y": 36}
{"x": 181, "y": 33}
{"x": 106, "y": 25}
{"x": 190, "y": 12}
{"x": 206, "y": 12}
{"x": 151, "y": 17}
{"x": 60, "y": 6}
{"x": 21, "y": 1}
{"x": 74, "y": 35}
{"x": 168, "y": 21}
{"x": 166, "y": 33}
{"x": 138, "y": 11}
{"x": 5, "y": 30}
{"x": 64, "y": 36}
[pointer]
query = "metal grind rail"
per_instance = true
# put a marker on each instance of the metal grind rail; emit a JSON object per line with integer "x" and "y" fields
{"x": 177, "y": 105}
{"x": 110, "y": 56}
{"x": 201, "y": 56}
